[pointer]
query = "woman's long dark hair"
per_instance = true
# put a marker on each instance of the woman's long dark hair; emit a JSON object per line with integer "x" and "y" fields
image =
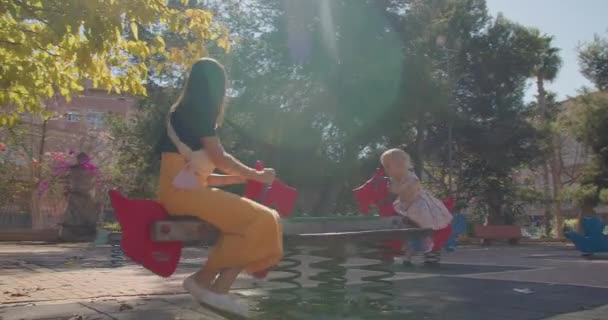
{"x": 209, "y": 76}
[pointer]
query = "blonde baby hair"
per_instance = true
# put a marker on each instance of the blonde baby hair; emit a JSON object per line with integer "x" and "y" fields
{"x": 396, "y": 154}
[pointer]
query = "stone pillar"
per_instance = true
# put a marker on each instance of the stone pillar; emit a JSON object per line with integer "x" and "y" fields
{"x": 82, "y": 212}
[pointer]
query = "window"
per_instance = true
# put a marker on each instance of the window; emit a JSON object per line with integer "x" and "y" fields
{"x": 73, "y": 116}
{"x": 96, "y": 119}
{"x": 55, "y": 116}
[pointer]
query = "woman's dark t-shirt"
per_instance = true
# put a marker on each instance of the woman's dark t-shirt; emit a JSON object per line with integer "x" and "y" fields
{"x": 190, "y": 123}
{"x": 195, "y": 117}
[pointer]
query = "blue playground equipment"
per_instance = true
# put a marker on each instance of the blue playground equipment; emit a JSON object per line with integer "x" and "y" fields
{"x": 459, "y": 226}
{"x": 593, "y": 240}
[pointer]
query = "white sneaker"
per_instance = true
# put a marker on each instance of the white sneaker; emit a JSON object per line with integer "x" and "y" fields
{"x": 223, "y": 302}
{"x": 193, "y": 288}
{"x": 226, "y": 303}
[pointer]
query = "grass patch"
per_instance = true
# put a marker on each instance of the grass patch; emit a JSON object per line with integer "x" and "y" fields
{"x": 111, "y": 226}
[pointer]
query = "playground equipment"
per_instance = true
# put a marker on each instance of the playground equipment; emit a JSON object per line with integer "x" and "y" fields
{"x": 593, "y": 240}
{"x": 154, "y": 239}
{"x": 375, "y": 191}
{"x": 459, "y": 226}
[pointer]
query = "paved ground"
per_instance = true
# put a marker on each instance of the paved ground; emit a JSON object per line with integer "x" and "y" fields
{"x": 40, "y": 281}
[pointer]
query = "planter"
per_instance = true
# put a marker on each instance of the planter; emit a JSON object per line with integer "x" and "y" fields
{"x": 487, "y": 234}
{"x": 15, "y": 220}
{"x": 18, "y": 234}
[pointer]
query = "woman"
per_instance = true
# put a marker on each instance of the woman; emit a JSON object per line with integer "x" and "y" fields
{"x": 251, "y": 238}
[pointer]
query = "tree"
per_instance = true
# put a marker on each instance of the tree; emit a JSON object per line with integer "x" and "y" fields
{"x": 320, "y": 88}
{"x": 492, "y": 116}
{"x": 327, "y": 74}
{"x": 593, "y": 60}
{"x": 546, "y": 66}
{"x": 50, "y": 47}
{"x": 435, "y": 35}
{"x": 135, "y": 163}
{"x": 587, "y": 120}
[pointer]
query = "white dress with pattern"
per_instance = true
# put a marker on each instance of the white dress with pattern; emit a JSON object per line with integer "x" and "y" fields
{"x": 423, "y": 208}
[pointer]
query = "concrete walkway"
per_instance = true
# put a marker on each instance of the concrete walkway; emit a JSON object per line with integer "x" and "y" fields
{"x": 39, "y": 281}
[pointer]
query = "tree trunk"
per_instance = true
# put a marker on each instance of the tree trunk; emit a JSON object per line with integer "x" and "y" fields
{"x": 419, "y": 145}
{"x": 495, "y": 216}
{"x": 38, "y": 220}
{"x": 556, "y": 171}
{"x": 547, "y": 197}
{"x": 547, "y": 200}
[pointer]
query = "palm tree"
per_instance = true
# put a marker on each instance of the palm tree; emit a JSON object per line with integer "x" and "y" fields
{"x": 547, "y": 62}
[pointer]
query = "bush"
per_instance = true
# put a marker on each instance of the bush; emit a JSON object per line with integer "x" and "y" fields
{"x": 604, "y": 196}
{"x": 570, "y": 225}
{"x": 111, "y": 226}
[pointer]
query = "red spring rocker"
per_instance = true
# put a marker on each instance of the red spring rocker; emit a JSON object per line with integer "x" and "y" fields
{"x": 278, "y": 196}
{"x": 136, "y": 217}
{"x": 375, "y": 191}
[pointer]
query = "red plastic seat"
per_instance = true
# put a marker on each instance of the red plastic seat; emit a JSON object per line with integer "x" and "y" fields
{"x": 375, "y": 191}
{"x": 136, "y": 217}
{"x": 278, "y": 196}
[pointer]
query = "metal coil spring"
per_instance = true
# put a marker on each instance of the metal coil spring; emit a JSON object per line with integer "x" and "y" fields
{"x": 331, "y": 297}
{"x": 282, "y": 301}
{"x": 331, "y": 293}
{"x": 289, "y": 265}
{"x": 377, "y": 284}
{"x": 117, "y": 257}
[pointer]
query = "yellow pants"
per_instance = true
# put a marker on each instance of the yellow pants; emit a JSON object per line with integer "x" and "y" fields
{"x": 251, "y": 233}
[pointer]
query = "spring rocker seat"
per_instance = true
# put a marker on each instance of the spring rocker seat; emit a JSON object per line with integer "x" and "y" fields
{"x": 154, "y": 239}
{"x": 375, "y": 192}
{"x": 593, "y": 240}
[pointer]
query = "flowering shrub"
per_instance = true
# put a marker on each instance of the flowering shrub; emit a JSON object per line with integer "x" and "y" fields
{"x": 60, "y": 164}
{"x": 45, "y": 178}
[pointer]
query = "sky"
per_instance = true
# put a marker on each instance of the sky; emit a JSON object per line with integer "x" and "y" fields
{"x": 571, "y": 22}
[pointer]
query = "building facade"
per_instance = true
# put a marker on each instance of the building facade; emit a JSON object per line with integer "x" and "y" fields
{"x": 79, "y": 125}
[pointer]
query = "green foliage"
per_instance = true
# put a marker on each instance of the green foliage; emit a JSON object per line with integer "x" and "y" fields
{"x": 593, "y": 60}
{"x": 135, "y": 165}
{"x": 587, "y": 120}
{"x": 493, "y": 117}
{"x": 111, "y": 226}
{"x": 547, "y": 60}
{"x": 320, "y": 101}
{"x": 583, "y": 195}
{"x": 604, "y": 196}
{"x": 570, "y": 225}
{"x": 49, "y": 48}
{"x": 16, "y": 186}
{"x": 315, "y": 102}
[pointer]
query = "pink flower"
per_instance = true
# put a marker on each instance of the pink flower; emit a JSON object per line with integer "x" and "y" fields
{"x": 89, "y": 166}
{"x": 43, "y": 186}
{"x": 3, "y": 147}
{"x": 60, "y": 169}
{"x": 58, "y": 156}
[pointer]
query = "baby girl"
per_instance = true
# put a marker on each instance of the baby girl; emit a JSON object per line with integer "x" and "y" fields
{"x": 416, "y": 204}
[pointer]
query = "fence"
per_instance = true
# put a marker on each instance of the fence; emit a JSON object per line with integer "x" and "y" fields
{"x": 16, "y": 212}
